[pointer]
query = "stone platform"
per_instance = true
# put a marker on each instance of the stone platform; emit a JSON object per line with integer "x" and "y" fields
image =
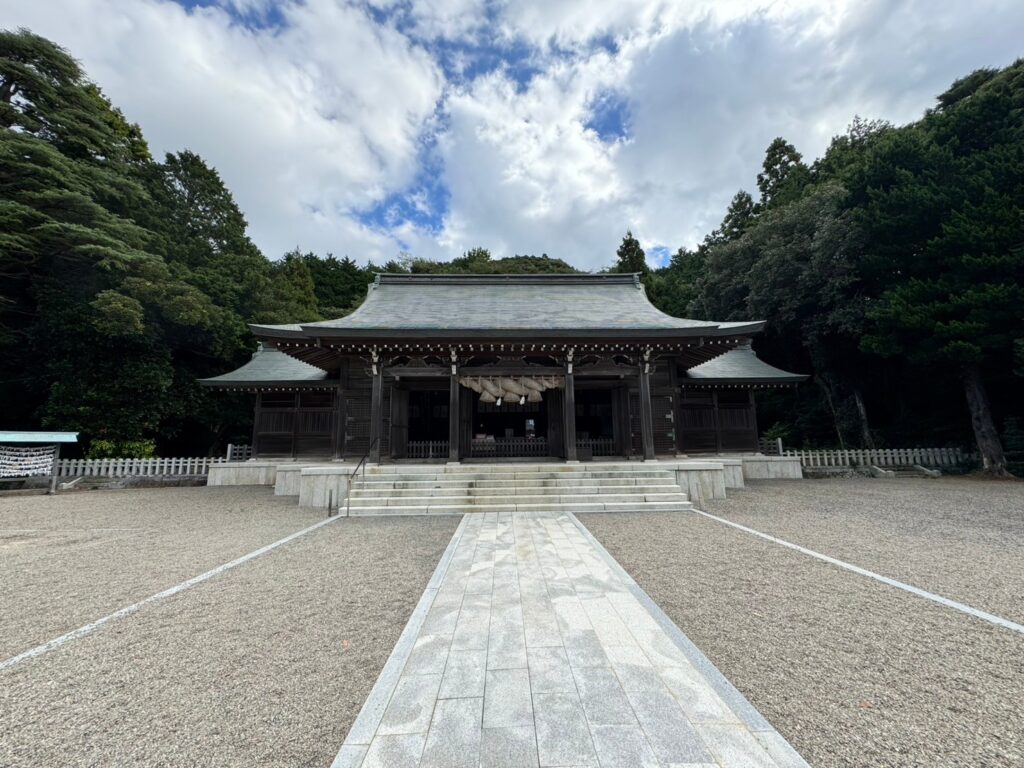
{"x": 532, "y": 647}
{"x": 409, "y": 489}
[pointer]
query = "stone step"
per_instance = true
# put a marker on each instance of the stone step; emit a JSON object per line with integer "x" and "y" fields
{"x": 543, "y": 490}
{"x": 457, "y": 509}
{"x": 538, "y": 500}
{"x": 455, "y": 469}
{"x": 425, "y": 481}
{"x": 484, "y": 475}
{"x": 511, "y": 478}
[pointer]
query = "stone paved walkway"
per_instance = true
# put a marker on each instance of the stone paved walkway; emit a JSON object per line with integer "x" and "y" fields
{"x": 531, "y": 647}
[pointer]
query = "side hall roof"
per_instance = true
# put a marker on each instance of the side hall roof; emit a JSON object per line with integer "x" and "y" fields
{"x": 739, "y": 366}
{"x": 270, "y": 368}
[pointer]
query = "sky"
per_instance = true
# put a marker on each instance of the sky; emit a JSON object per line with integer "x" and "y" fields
{"x": 377, "y": 128}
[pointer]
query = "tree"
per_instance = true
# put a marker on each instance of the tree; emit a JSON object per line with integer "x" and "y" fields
{"x": 783, "y": 174}
{"x": 339, "y": 284}
{"x": 105, "y": 327}
{"x": 738, "y": 216}
{"x": 959, "y": 298}
{"x": 293, "y": 294}
{"x": 631, "y": 257}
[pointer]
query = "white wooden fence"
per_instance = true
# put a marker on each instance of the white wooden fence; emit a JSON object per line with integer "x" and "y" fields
{"x": 136, "y": 467}
{"x": 882, "y": 457}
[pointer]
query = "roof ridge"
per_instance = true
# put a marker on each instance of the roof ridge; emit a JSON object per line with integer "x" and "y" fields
{"x": 613, "y": 278}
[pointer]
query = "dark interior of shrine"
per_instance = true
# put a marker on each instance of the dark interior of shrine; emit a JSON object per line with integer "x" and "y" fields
{"x": 594, "y": 414}
{"x": 510, "y": 419}
{"x": 428, "y": 415}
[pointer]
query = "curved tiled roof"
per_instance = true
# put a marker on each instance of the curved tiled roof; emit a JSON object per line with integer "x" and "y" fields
{"x": 269, "y": 367}
{"x": 740, "y": 366}
{"x": 537, "y": 305}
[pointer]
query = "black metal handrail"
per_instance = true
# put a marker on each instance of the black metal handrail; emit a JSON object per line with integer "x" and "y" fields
{"x": 362, "y": 463}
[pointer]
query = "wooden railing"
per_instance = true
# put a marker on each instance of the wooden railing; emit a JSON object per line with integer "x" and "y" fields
{"x": 238, "y": 452}
{"x": 427, "y": 449}
{"x": 155, "y": 467}
{"x": 599, "y": 446}
{"x": 882, "y": 457}
{"x": 508, "y": 447}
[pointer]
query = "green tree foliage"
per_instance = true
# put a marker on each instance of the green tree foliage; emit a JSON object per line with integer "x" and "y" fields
{"x": 954, "y": 293}
{"x": 117, "y": 282}
{"x": 292, "y": 292}
{"x": 893, "y": 269}
{"x": 783, "y": 175}
{"x": 480, "y": 262}
{"x": 339, "y": 284}
{"x": 631, "y": 257}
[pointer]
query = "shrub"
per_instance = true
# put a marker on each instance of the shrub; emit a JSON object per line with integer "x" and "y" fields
{"x": 121, "y": 449}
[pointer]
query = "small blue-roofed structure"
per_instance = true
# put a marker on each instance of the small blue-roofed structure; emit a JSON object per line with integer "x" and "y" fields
{"x": 31, "y": 454}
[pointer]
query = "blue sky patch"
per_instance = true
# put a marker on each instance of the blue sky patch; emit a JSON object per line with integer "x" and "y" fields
{"x": 609, "y": 116}
{"x": 270, "y": 18}
{"x": 423, "y": 204}
{"x": 659, "y": 256}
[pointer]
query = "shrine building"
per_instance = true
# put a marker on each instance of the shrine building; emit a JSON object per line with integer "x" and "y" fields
{"x": 460, "y": 368}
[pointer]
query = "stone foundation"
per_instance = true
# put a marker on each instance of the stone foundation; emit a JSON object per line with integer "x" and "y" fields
{"x": 253, "y": 472}
{"x": 324, "y": 487}
{"x": 772, "y": 468}
{"x": 289, "y": 478}
{"x": 701, "y": 480}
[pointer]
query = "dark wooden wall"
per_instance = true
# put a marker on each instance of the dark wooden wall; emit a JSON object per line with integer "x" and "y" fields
{"x": 711, "y": 421}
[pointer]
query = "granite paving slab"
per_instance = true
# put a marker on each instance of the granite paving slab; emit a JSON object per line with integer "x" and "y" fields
{"x": 532, "y": 647}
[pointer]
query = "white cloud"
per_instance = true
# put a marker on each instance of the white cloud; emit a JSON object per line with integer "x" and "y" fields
{"x": 708, "y": 88}
{"x": 304, "y": 123}
{"x": 326, "y": 113}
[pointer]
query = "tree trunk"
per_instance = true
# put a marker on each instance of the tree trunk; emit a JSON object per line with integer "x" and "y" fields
{"x": 993, "y": 460}
{"x": 831, "y": 406}
{"x": 865, "y": 429}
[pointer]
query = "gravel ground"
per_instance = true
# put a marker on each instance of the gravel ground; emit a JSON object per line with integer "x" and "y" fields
{"x": 958, "y": 537}
{"x": 852, "y": 672}
{"x": 267, "y": 664}
{"x": 69, "y": 559}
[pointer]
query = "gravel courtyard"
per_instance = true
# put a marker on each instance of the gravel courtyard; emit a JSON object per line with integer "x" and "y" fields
{"x": 266, "y": 664}
{"x": 851, "y": 671}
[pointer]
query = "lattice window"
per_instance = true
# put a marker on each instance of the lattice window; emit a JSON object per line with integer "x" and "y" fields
{"x": 664, "y": 427}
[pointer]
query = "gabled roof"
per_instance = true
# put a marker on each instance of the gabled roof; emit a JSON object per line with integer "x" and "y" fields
{"x": 739, "y": 366}
{"x": 269, "y": 368}
{"x": 506, "y": 306}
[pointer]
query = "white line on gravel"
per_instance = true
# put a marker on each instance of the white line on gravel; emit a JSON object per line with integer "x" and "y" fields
{"x": 984, "y": 615}
{"x": 57, "y": 642}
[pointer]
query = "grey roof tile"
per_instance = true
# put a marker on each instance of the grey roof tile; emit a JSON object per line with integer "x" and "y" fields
{"x": 516, "y": 303}
{"x": 741, "y": 365}
{"x": 269, "y": 367}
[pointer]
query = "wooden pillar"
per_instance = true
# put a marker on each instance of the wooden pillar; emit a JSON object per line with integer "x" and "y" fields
{"x": 718, "y": 422}
{"x": 295, "y": 420}
{"x": 256, "y": 424}
{"x": 673, "y": 376}
{"x": 454, "y": 395}
{"x": 376, "y": 408}
{"x": 755, "y": 438}
{"x": 338, "y": 433}
{"x": 646, "y": 413}
{"x": 569, "y": 410}
{"x": 55, "y": 469}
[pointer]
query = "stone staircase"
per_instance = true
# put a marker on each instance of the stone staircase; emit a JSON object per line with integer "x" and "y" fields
{"x": 459, "y": 489}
